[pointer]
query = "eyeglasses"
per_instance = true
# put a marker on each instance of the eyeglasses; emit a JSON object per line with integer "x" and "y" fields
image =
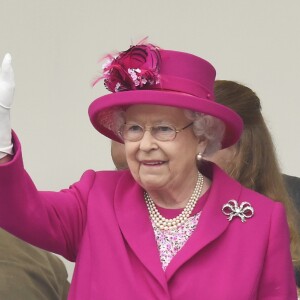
{"x": 135, "y": 132}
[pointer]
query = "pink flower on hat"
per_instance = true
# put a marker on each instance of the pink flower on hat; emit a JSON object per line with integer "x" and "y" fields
{"x": 135, "y": 68}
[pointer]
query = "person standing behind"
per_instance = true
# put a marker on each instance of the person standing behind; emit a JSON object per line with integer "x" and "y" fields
{"x": 30, "y": 273}
{"x": 252, "y": 160}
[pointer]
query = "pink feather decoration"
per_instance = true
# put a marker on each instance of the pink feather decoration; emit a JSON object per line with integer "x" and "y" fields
{"x": 136, "y": 68}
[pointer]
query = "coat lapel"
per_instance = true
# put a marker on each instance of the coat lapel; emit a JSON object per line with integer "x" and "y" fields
{"x": 134, "y": 221}
{"x": 212, "y": 222}
{"x": 133, "y": 218}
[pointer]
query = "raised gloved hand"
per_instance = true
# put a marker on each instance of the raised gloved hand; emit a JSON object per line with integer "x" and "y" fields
{"x": 7, "y": 87}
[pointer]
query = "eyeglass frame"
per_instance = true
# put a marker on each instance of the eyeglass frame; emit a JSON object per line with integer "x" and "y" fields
{"x": 120, "y": 132}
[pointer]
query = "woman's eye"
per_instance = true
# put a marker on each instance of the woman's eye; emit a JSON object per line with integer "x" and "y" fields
{"x": 164, "y": 128}
{"x": 134, "y": 128}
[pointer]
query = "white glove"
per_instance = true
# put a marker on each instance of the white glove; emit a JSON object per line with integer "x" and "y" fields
{"x": 7, "y": 87}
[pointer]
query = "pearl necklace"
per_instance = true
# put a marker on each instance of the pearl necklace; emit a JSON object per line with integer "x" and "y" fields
{"x": 166, "y": 224}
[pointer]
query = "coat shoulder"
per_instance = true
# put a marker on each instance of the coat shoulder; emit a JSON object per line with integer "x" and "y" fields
{"x": 257, "y": 198}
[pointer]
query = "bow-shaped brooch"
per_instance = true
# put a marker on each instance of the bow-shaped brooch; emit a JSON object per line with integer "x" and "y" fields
{"x": 232, "y": 209}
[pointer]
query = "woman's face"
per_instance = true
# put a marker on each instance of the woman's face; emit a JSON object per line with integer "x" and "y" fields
{"x": 162, "y": 164}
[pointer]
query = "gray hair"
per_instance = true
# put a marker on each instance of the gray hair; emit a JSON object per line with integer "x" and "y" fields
{"x": 208, "y": 127}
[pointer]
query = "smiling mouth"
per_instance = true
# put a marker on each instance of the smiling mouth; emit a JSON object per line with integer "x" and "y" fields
{"x": 152, "y": 163}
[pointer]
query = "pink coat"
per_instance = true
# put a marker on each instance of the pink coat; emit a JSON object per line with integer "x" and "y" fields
{"x": 102, "y": 223}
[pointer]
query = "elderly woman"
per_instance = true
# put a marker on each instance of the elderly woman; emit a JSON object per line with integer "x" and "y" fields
{"x": 163, "y": 229}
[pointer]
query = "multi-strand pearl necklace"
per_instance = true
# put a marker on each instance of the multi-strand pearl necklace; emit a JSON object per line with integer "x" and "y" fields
{"x": 166, "y": 224}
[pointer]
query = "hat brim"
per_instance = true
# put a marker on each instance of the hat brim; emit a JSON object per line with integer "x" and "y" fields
{"x": 232, "y": 121}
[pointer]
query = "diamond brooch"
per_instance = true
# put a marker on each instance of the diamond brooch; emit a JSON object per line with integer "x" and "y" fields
{"x": 232, "y": 209}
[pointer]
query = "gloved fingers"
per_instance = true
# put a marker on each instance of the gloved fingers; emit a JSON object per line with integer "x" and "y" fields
{"x": 7, "y": 72}
{"x": 7, "y": 82}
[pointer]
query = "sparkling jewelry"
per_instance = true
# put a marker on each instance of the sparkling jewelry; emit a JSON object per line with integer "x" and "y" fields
{"x": 232, "y": 209}
{"x": 199, "y": 156}
{"x": 173, "y": 223}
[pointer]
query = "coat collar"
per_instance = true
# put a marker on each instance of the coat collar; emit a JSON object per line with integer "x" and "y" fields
{"x": 212, "y": 222}
{"x": 133, "y": 218}
{"x": 134, "y": 221}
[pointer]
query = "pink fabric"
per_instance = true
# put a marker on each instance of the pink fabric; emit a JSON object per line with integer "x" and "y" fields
{"x": 102, "y": 223}
{"x": 187, "y": 73}
{"x": 185, "y": 81}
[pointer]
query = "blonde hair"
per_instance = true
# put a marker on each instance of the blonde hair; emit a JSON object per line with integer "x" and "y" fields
{"x": 255, "y": 163}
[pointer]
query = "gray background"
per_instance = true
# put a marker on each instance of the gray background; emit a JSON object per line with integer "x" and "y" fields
{"x": 56, "y": 45}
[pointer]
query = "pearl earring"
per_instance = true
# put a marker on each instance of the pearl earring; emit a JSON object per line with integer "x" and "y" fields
{"x": 199, "y": 156}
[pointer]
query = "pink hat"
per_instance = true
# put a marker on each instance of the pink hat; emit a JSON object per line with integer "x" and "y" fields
{"x": 146, "y": 74}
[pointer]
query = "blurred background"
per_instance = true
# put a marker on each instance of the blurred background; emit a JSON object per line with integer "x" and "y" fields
{"x": 56, "y": 46}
